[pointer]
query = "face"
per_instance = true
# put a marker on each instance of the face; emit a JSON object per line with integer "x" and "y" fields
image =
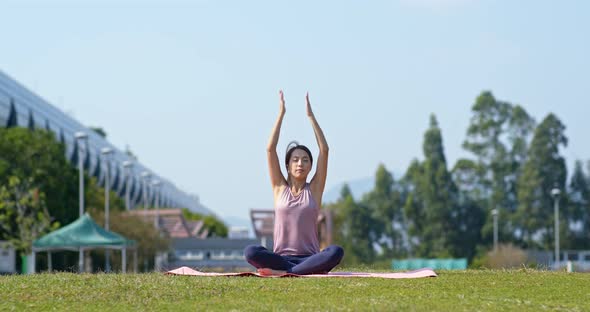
{"x": 299, "y": 164}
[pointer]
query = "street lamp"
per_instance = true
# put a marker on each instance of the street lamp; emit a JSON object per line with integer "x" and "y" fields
{"x": 146, "y": 176}
{"x": 106, "y": 152}
{"x": 495, "y": 215}
{"x": 81, "y": 138}
{"x": 156, "y": 184}
{"x": 555, "y": 192}
{"x": 127, "y": 165}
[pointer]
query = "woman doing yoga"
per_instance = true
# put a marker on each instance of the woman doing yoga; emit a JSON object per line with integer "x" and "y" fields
{"x": 297, "y": 204}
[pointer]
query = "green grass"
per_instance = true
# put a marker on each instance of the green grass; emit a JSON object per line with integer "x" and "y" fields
{"x": 521, "y": 290}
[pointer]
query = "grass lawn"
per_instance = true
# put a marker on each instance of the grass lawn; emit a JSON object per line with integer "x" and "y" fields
{"x": 521, "y": 290}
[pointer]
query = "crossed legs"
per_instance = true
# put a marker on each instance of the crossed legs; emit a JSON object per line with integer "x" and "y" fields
{"x": 321, "y": 262}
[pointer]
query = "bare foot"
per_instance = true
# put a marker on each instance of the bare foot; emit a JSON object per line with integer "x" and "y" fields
{"x": 270, "y": 272}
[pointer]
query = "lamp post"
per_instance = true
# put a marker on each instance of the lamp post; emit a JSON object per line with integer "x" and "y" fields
{"x": 81, "y": 138}
{"x": 495, "y": 215}
{"x": 146, "y": 176}
{"x": 555, "y": 192}
{"x": 106, "y": 152}
{"x": 127, "y": 165}
{"x": 156, "y": 192}
{"x": 156, "y": 184}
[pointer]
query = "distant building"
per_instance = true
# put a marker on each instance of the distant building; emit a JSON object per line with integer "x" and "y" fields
{"x": 19, "y": 107}
{"x": 173, "y": 223}
{"x": 7, "y": 258}
{"x": 238, "y": 232}
{"x": 220, "y": 254}
{"x": 580, "y": 259}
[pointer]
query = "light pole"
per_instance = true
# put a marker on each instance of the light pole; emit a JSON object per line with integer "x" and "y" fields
{"x": 81, "y": 138}
{"x": 146, "y": 176}
{"x": 106, "y": 152}
{"x": 156, "y": 184}
{"x": 127, "y": 165}
{"x": 495, "y": 215}
{"x": 555, "y": 192}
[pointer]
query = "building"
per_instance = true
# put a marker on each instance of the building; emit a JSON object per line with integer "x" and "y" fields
{"x": 19, "y": 107}
{"x": 172, "y": 223}
{"x": 219, "y": 254}
{"x": 7, "y": 260}
{"x": 238, "y": 232}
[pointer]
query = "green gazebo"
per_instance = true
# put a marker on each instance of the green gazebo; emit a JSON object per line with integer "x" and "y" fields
{"x": 84, "y": 234}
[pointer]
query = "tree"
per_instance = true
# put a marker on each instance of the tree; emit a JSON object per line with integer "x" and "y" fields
{"x": 432, "y": 210}
{"x": 100, "y": 131}
{"x": 579, "y": 212}
{"x": 544, "y": 169}
{"x": 23, "y": 214}
{"x": 215, "y": 226}
{"x": 471, "y": 207}
{"x": 384, "y": 204}
{"x": 497, "y": 135}
{"x": 414, "y": 207}
{"x": 36, "y": 157}
{"x": 352, "y": 223}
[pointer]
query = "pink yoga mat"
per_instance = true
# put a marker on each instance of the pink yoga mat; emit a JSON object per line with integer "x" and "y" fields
{"x": 411, "y": 274}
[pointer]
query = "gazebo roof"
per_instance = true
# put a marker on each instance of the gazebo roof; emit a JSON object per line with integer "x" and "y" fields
{"x": 82, "y": 233}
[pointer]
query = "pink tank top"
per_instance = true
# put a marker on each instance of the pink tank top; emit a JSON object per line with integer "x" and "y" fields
{"x": 295, "y": 230}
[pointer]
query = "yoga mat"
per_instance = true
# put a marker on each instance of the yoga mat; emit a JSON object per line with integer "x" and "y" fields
{"x": 411, "y": 274}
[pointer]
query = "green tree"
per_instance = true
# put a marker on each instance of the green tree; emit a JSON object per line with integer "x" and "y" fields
{"x": 414, "y": 209}
{"x": 497, "y": 135}
{"x": 352, "y": 223}
{"x": 579, "y": 208}
{"x": 100, "y": 131}
{"x": 384, "y": 204}
{"x": 543, "y": 170}
{"x": 432, "y": 199}
{"x": 215, "y": 226}
{"x": 23, "y": 214}
{"x": 37, "y": 157}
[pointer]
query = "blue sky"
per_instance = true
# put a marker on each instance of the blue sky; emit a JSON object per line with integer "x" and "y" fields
{"x": 191, "y": 86}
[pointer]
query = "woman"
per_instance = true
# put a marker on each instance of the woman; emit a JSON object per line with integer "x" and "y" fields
{"x": 297, "y": 203}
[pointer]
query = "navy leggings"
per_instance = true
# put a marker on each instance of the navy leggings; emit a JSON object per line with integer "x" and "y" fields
{"x": 321, "y": 262}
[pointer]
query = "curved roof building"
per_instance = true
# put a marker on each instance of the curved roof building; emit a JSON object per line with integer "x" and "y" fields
{"x": 19, "y": 107}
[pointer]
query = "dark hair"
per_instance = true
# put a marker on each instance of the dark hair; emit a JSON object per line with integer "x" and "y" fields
{"x": 293, "y": 145}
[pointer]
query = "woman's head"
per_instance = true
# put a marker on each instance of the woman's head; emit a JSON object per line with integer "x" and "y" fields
{"x": 298, "y": 161}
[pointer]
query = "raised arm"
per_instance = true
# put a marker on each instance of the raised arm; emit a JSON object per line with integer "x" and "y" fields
{"x": 276, "y": 177}
{"x": 318, "y": 182}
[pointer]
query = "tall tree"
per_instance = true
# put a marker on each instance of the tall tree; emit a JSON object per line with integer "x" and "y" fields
{"x": 414, "y": 209}
{"x": 385, "y": 207}
{"x": 497, "y": 135}
{"x": 579, "y": 208}
{"x": 435, "y": 200}
{"x": 470, "y": 214}
{"x": 543, "y": 170}
{"x": 352, "y": 223}
{"x": 38, "y": 157}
